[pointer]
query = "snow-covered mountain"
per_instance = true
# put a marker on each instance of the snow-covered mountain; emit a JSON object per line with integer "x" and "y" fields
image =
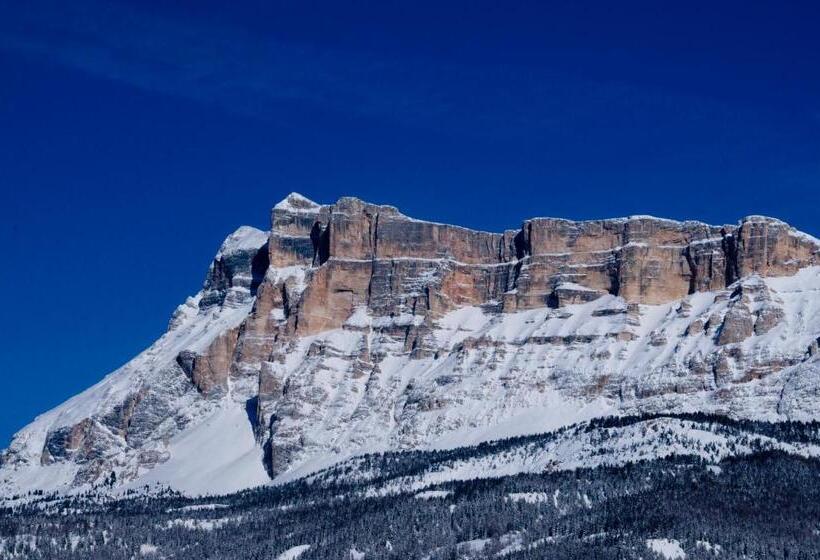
{"x": 350, "y": 328}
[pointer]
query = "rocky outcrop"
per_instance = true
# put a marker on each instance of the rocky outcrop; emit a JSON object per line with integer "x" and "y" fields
{"x": 209, "y": 371}
{"x": 381, "y": 259}
{"x": 237, "y": 270}
{"x": 769, "y": 247}
{"x": 350, "y": 326}
{"x": 738, "y": 325}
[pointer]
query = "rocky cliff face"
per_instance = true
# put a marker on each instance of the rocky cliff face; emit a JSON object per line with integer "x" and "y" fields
{"x": 351, "y": 327}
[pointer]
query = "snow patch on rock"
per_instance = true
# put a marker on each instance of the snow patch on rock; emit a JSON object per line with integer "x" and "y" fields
{"x": 670, "y": 549}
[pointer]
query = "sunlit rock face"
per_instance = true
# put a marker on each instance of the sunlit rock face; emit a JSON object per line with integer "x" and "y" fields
{"x": 350, "y": 328}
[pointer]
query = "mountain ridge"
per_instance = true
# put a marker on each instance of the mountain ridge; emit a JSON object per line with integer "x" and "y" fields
{"x": 351, "y": 328}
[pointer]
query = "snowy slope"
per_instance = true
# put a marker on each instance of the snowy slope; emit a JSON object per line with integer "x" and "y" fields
{"x": 235, "y": 394}
{"x": 512, "y": 382}
{"x": 218, "y": 452}
{"x": 183, "y": 413}
{"x": 584, "y": 445}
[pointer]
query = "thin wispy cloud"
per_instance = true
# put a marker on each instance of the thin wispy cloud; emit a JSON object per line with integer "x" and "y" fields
{"x": 205, "y": 62}
{"x": 248, "y": 73}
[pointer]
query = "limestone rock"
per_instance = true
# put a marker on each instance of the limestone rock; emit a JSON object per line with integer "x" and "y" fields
{"x": 696, "y": 327}
{"x": 767, "y": 318}
{"x": 769, "y": 247}
{"x": 568, "y": 293}
{"x": 209, "y": 371}
{"x": 350, "y": 326}
{"x": 237, "y": 270}
{"x": 738, "y": 325}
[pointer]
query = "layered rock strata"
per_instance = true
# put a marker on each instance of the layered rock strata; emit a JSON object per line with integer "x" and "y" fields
{"x": 350, "y": 327}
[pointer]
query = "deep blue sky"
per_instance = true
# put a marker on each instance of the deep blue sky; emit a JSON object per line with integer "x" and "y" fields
{"x": 135, "y": 136}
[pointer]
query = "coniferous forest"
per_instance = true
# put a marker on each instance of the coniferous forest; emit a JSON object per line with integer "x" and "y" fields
{"x": 765, "y": 504}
